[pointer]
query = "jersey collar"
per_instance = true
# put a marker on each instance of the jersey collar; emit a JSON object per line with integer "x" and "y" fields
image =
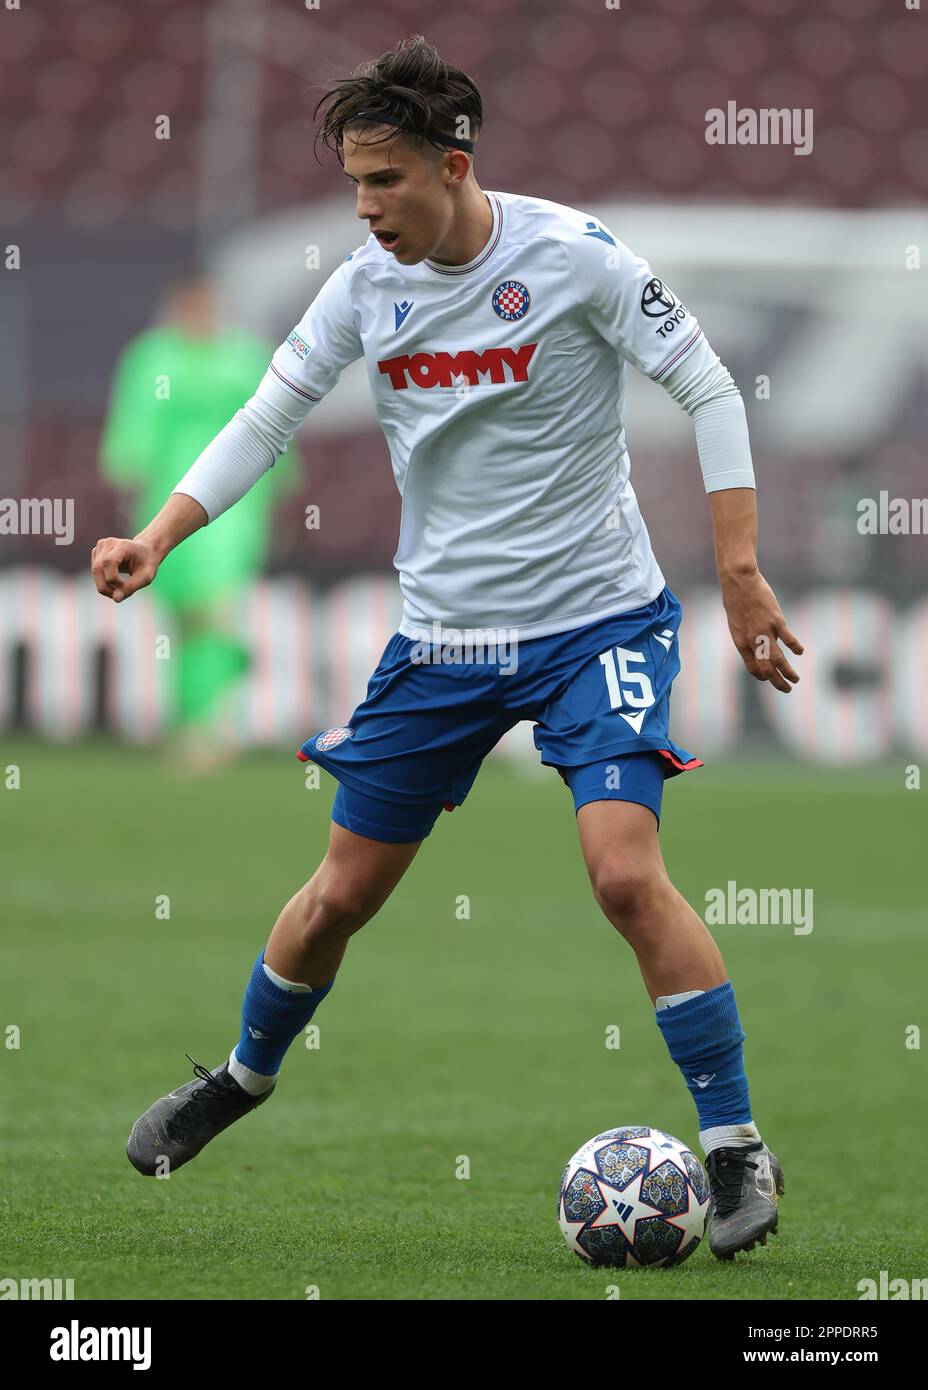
{"x": 495, "y": 237}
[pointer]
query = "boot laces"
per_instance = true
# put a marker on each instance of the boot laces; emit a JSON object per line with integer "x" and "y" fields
{"x": 726, "y": 1169}
{"x": 214, "y": 1090}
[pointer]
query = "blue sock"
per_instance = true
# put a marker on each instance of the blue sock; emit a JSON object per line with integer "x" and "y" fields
{"x": 704, "y": 1037}
{"x": 271, "y": 1018}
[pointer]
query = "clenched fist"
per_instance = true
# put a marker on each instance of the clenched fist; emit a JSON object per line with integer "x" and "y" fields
{"x": 112, "y": 555}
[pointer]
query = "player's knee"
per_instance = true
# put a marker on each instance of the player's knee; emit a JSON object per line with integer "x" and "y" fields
{"x": 338, "y": 905}
{"x": 627, "y": 891}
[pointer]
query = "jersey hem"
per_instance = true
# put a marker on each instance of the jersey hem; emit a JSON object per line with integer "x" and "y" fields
{"x": 546, "y": 627}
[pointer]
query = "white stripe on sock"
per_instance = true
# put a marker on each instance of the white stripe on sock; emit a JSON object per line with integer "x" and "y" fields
{"x": 667, "y": 1001}
{"x": 254, "y": 1082}
{"x": 728, "y": 1137}
{"x": 291, "y": 986}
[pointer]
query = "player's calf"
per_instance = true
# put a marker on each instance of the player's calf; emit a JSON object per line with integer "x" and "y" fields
{"x": 307, "y": 944}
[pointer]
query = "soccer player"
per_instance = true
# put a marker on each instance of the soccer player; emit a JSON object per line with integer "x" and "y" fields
{"x": 495, "y": 329}
{"x": 148, "y": 439}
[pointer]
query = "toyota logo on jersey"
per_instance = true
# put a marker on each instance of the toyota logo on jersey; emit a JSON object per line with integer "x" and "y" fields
{"x": 511, "y": 300}
{"x": 427, "y": 369}
{"x": 656, "y": 299}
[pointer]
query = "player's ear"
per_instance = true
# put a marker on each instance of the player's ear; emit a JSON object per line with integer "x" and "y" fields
{"x": 456, "y": 165}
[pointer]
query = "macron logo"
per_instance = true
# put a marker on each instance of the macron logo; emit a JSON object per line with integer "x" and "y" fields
{"x": 594, "y": 229}
{"x": 402, "y": 312}
{"x": 427, "y": 369}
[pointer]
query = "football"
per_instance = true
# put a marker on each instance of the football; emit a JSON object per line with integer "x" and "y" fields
{"x": 632, "y": 1197}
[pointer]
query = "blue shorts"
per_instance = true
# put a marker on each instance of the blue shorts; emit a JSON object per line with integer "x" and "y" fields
{"x": 598, "y": 695}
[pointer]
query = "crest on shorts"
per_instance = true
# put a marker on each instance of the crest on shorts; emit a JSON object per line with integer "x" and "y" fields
{"x": 332, "y": 738}
{"x": 511, "y": 300}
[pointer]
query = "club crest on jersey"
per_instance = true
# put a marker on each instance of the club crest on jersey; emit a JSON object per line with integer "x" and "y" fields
{"x": 299, "y": 346}
{"x": 332, "y": 738}
{"x": 511, "y": 300}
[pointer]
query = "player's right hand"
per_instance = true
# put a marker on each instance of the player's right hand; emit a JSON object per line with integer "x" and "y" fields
{"x": 111, "y": 555}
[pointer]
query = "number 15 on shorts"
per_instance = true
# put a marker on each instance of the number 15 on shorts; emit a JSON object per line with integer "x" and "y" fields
{"x": 627, "y": 688}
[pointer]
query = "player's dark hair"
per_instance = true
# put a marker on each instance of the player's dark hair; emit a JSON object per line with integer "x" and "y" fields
{"x": 412, "y": 86}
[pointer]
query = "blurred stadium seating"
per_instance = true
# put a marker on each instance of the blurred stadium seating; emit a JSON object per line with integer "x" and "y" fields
{"x": 602, "y": 109}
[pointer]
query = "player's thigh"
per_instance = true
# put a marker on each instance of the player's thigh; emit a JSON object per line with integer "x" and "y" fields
{"x": 618, "y": 804}
{"x": 358, "y": 874}
{"x": 621, "y": 851}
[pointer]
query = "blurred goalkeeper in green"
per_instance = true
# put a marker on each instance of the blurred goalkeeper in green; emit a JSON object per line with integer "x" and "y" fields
{"x": 176, "y": 385}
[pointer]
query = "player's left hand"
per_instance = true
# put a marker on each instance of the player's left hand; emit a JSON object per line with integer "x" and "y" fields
{"x": 757, "y": 625}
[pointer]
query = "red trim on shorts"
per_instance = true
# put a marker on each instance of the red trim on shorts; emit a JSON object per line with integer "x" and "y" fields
{"x": 449, "y": 805}
{"x": 664, "y": 752}
{"x": 684, "y": 767}
{"x": 303, "y": 757}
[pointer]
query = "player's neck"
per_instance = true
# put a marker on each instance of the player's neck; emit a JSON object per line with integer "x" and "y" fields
{"x": 470, "y": 233}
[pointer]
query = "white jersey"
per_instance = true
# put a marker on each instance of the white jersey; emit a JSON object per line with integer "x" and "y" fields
{"x": 499, "y": 386}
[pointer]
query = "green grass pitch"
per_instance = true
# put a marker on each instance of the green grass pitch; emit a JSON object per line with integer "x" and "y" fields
{"x": 443, "y": 1037}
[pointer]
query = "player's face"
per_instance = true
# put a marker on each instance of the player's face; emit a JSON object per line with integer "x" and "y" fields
{"x": 401, "y": 192}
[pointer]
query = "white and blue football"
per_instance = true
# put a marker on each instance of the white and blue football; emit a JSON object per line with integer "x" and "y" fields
{"x": 632, "y": 1197}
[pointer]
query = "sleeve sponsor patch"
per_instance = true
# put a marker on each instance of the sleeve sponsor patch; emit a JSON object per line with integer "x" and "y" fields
{"x": 657, "y": 301}
{"x": 299, "y": 345}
